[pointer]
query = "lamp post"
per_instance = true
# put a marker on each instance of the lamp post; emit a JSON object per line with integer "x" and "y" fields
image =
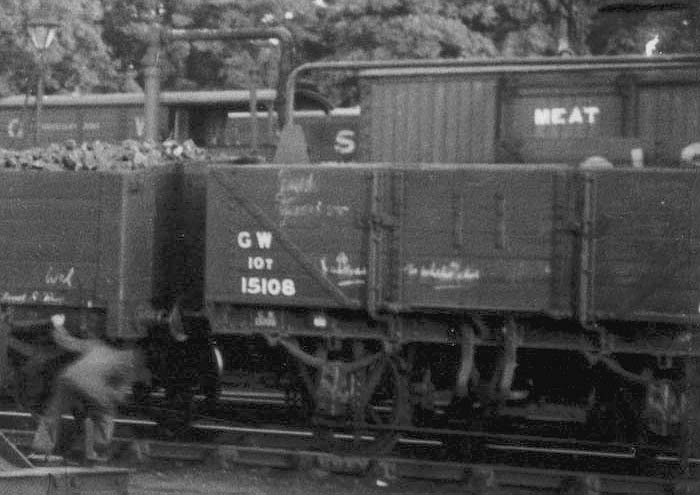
{"x": 42, "y": 31}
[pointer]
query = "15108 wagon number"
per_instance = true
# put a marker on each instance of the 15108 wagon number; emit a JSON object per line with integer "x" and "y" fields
{"x": 256, "y": 285}
{"x": 268, "y": 286}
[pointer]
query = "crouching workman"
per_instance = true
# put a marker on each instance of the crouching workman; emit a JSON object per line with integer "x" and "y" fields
{"x": 90, "y": 387}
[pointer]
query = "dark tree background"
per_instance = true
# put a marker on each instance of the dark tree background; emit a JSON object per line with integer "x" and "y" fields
{"x": 100, "y": 44}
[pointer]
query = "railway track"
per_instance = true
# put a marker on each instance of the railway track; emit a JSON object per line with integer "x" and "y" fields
{"x": 506, "y": 464}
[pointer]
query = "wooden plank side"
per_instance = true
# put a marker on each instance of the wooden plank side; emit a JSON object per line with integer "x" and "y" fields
{"x": 669, "y": 117}
{"x": 646, "y": 244}
{"x": 49, "y": 232}
{"x": 491, "y": 248}
{"x": 43, "y": 185}
{"x": 432, "y": 119}
{"x": 276, "y": 235}
{"x": 669, "y": 304}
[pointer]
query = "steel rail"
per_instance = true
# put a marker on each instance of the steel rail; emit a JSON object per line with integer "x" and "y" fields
{"x": 479, "y": 477}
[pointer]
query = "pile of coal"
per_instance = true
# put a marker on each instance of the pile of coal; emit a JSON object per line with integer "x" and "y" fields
{"x": 97, "y": 155}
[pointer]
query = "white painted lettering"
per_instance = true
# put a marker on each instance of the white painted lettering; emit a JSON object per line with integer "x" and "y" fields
{"x": 562, "y": 116}
{"x": 543, "y": 116}
{"x": 264, "y": 239}
{"x": 274, "y": 287}
{"x": 576, "y": 117}
{"x": 268, "y": 286}
{"x": 15, "y": 129}
{"x": 558, "y": 116}
{"x": 259, "y": 263}
{"x": 244, "y": 240}
{"x": 265, "y": 319}
{"x": 345, "y": 142}
{"x": 591, "y": 112}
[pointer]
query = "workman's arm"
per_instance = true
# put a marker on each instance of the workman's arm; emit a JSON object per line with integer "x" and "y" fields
{"x": 64, "y": 339}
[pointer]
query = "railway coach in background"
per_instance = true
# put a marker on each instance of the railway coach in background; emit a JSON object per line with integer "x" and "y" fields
{"x": 119, "y": 116}
{"x": 633, "y": 112}
{"x": 220, "y": 121}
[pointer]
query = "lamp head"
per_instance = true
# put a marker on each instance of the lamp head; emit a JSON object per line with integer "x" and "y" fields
{"x": 42, "y": 31}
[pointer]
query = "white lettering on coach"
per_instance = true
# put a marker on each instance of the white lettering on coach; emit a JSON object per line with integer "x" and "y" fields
{"x": 566, "y": 116}
{"x": 15, "y": 129}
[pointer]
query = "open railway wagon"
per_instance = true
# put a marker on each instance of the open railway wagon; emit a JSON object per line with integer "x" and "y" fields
{"x": 553, "y": 294}
{"x": 102, "y": 247}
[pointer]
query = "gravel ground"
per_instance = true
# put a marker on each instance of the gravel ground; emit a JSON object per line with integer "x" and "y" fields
{"x": 181, "y": 479}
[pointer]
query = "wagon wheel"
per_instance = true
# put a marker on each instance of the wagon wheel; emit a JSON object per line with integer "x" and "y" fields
{"x": 370, "y": 428}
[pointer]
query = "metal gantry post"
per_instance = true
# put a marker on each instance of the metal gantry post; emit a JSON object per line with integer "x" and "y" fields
{"x": 151, "y": 72}
{"x": 159, "y": 36}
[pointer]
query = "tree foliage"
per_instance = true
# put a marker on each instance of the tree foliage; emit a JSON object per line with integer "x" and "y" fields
{"x": 628, "y": 32}
{"x": 79, "y": 59}
{"x": 101, "y": 43}
{"x": 386, "y": 29}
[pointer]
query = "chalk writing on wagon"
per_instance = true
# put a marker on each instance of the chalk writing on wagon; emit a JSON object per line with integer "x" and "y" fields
{"x": 297, "y": 197}
{"x": 448, "y": 275}
{"x": 58, "y": 277}
{"x": 344, "y": 270}
{"x": 31, "y": 297}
